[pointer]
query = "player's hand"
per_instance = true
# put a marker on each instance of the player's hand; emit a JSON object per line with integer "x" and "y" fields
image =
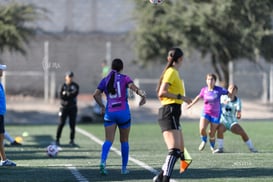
{"x": 142, "y": 100}
{"x": 188, "y": 106}
{"x": 64, "y": 92}
{"x": 102, "y": 110}
{"x": 187, "y": 100}
{"x": 141, "y": 93}
{"x": 239, "y": 115}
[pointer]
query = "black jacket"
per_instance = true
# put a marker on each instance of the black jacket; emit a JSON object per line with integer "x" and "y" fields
{"x": 68, "y": 94}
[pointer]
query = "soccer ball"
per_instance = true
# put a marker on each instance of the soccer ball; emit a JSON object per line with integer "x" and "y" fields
{"x": 155, "y": 2}
{"x": 52, "y": 150}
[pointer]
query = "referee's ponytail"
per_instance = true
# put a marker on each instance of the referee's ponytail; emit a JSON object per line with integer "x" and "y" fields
{"x": 173, "y": 55}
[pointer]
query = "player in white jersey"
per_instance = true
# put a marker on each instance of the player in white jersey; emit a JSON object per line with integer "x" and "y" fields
{"x": 231, "y": 111}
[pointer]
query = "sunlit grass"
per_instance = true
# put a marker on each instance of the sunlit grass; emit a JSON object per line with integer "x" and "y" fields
{"x": 147, "y": 145}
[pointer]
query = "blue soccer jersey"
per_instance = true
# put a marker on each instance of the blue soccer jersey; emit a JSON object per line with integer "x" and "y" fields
{"x": 2, "y": 100}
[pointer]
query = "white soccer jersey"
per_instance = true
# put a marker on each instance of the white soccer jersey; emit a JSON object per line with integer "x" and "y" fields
{"x": 229, "y": 109}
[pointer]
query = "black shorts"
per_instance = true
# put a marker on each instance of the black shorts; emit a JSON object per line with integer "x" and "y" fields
{"x": 2, "y": 125}
{"x": 169, "y": 117}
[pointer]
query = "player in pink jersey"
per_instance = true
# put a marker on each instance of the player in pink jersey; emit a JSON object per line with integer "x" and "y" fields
{"x": 211, "y": 112}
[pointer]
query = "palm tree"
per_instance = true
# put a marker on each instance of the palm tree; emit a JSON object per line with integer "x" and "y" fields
{"x": 15, "y": 29}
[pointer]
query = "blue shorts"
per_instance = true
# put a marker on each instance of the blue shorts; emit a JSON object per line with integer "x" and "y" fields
{"x": 121, "y": 118}
{"x": 211, "y": 119}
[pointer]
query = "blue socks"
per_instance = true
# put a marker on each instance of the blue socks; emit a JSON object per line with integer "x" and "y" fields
{"x": 124, "y": 154}
{"x": 105, "y": 150}
{"x": 204, "y": 138}
{"x": 212, "y": 143}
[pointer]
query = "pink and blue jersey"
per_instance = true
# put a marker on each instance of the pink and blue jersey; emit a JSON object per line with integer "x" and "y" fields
{"x": 212, "y": 105}
{"x": 118, "y": 101}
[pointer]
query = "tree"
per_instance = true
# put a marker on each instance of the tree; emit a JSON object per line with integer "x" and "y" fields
{"x": 14, "y": 25}
{"x": 225, "y": 30}
{"x": 152, "y": 31}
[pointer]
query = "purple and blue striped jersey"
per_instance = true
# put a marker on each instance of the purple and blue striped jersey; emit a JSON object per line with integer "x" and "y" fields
{"x": 119, "y": 100}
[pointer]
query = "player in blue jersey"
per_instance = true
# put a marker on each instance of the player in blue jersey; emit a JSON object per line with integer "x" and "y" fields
{"x": 116, "y": 112}
{"x": 231, "y": 112}
{"x": 4, "y": 160}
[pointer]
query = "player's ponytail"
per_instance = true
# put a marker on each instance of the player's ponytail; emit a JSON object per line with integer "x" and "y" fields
{"x": 173, "y": 55}
{"x": 110, "y": 86}
{"x": 117, "y": 66}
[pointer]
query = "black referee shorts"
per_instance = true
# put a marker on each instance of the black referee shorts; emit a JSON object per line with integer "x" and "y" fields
{"x": 2, "y": 125}
{"x": 169, "y": 117}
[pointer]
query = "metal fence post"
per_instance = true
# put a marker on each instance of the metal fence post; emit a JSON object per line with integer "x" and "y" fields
{"x": 52, "y": 86}
{"x": 271, "y": 84}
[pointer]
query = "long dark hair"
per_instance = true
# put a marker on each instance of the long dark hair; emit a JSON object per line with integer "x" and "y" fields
{"x": 117, "y": 66}
{"x": 211, "y": 75}
{"x": 174, "y": 54}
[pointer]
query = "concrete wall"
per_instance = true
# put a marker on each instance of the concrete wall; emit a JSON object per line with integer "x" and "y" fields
{"x": 83, "y": 53}
{"x": 112, "y": 16}
{"x": 77, "y": 32}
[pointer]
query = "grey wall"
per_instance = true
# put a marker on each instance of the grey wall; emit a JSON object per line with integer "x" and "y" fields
{"x": 77, "y": 32}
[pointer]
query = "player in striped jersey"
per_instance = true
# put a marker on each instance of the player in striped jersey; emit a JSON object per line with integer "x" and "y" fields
{"x": 116, "y": 112}
{"x": 231, "y": 112}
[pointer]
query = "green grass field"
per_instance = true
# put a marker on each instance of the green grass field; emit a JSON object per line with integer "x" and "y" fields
{"x": 147, "y": 146}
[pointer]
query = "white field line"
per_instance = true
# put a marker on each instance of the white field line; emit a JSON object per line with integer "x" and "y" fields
{"x": 138, "y": 162}
{"x": 76, "y": 173}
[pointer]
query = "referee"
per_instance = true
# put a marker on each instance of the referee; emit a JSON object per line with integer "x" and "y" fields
{"x": 68, "y": 93}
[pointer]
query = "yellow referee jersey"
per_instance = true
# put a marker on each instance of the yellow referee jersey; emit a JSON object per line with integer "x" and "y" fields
{"x": 172, "y": 77}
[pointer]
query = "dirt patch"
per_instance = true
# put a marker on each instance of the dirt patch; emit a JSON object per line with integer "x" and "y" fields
{"x": 26, "y": 110}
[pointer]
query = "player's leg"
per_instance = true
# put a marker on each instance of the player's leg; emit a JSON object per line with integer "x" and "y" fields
{"x": 4, "y": 160}
{"x": 220, "y": 138}
{"x": 213, "y": 128}
{"x": 2, "y": 131}
{"x": 72, "y": 124}
{"x": 220, "y": 131}
{"x": 214, "y": 123}
{"x": 8, "y": 137}
{"x": 109, "y": 138}
{"x": 2, "y": 150}
{"x": 169, "y": 122}
{"x": 110, "y": 127}
{"x": 11, "y": 139}
{"x": 62, "y": 118}
{"x": 172, "y": 139}
{"x": 182, "y": 156}
{"x": 237, "y": 129}
{"x": 203, "y": 124}
{"x": 124, "y": 124}
{"x": 180, "y": 139}
{"x": 124, "y": 135}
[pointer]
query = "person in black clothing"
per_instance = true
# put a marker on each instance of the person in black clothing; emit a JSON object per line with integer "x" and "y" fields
{"x": 68, "y": 95}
